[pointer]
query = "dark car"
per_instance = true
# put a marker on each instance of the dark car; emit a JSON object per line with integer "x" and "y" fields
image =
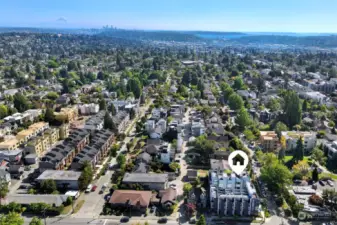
{"x": 321, "y": 183}
{"x": 162, "y": 220}
{"x": 23, "y": 186}
{"x": 125, "y": 219}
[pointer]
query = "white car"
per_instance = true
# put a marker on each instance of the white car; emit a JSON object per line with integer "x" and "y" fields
{"x": 88, "y": 188}
{"x": 173, "y": 186}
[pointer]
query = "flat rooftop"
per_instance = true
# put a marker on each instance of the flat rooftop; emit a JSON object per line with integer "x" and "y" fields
{"x": 59, "y": 175}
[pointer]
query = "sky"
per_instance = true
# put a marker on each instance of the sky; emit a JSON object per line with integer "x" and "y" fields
{"x": 303, "y": 16}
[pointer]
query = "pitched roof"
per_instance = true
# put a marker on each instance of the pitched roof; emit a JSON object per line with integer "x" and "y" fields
{"x": 151, "y": 149}
{"x": 131, "y": 197}
{"x": 167, "y": 195}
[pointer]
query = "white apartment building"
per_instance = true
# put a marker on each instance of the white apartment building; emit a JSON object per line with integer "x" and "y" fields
{"x": 291, "y": 137}
{"x": 88, "y": 109}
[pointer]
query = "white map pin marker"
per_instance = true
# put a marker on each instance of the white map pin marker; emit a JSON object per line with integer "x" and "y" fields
{"x": 238, "y": 161}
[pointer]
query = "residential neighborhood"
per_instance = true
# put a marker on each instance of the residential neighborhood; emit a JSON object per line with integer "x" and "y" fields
{"x": 117, "y": 131}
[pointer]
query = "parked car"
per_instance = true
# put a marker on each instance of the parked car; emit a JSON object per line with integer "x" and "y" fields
{"x": 173, "y": 186}
{"x": 23, "y": 186}
{"x": 125, "y": 219}
{"x": 162, "y": 220}
{"x": 321, "y": 183}
{"x": 94, "y": 188}
{"x": 192, "y": 220}
{"x": 103, "y": 188}
{"x": 330, "y": 183}
{"x": 88, "y": 188}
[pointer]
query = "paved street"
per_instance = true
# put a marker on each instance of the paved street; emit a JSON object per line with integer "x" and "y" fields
{"x": 94, "y": 201}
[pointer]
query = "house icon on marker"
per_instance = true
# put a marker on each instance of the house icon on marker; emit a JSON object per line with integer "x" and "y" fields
{"x": 238, "y": 160}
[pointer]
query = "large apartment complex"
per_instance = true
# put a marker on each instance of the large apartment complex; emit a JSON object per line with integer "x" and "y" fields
{"x": 232, "y": 196}
{"x": 291, "y": 137}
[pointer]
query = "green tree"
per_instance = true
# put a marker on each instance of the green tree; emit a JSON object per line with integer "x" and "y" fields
{"x": 276, "y": 176}
{"x": 134, "y": 86}
{"x": 21, "y": 102}
{"x": 121, "y": 160}
{"x": 3, "y": 190}
{"x": 11, "y": 218}
{"x": 238, "y": 83}
{"x": 202, "y": 220}
{"x": 299, "y": 150}
{"x": 174, "y": 166}
{"x": 187, "y": 188}
{"x": 86, "y": 176}
{"x": 243, "y": 119}
{"x": 49, "y": 115}
{"x": 36, "y": 221}
{"x": 305, "y": 105}
{"x": 235, "y": 102}
{"x": 102, "y": 104}
{"x": 52, "y": 95}
{"x": 114, "y": 149}
{"x": 3, "y": 111}
{"x": 227, "y": 93}
{"x": 48, "y": 186}
{"x": 113, "y": 109}
{"x": 108, "y": 122}
{"x": 132, "y": 113}
{"x": 292, "y": 109}
{"x": 274, "y": 105}
{"x": 279, "y": 128}
{"x": 318, "y": 155}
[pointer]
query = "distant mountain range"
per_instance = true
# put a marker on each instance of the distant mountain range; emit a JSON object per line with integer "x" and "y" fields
{"x": 245, "y": 38}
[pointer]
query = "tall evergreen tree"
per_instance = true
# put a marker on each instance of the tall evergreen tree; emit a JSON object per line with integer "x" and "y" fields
{"x": 299, "y": 150}
{"x": 113, "y": 110}
{"x": 315, "y": 175}
{"x": 108, "y": 122}
{"x": 102, "y": 104}
{"x": 292, "y": 109}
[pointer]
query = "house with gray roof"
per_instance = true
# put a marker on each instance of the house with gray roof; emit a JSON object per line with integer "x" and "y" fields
{"x": 62, "y": 178}
{"x": 26, "y": 199}
{"x": 149, "y": 181}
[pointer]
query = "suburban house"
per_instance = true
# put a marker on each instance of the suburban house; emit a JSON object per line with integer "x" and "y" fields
{"x": 27, "y": 199}
{"x": 150, "y": 181}
{"x": 62, "y": 178}
{"x": 167, "y": 197}
{"x": 136, "y": 200}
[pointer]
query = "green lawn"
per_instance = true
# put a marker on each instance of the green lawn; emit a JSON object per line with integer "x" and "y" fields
{"x": 331, "y": 175}
{"x": 287, "y": 158}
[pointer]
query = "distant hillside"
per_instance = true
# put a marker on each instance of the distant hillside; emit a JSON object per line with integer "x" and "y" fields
{"x": 312, "y": 41}
{"x": 151, "y": 35}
